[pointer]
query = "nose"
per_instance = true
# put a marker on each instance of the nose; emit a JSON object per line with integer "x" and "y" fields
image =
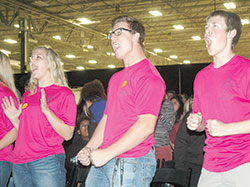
{"x": 112, "y": 37}
{"x": 207, "y": 31}
{"x": 32, "y": 60}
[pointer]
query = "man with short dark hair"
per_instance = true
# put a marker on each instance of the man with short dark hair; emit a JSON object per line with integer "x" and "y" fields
{"x": 121, "y": 148}
{"x": 222, "y": 105}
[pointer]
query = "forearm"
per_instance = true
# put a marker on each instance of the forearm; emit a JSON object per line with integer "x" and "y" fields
{"x": 241, "y": 127}
{"x": 97, "y": 138}
{"x": 8, "y": 139}
{"x": 65, "y": 131}
{"x": 15, "y": 123}
{"x": 141, "y": 130}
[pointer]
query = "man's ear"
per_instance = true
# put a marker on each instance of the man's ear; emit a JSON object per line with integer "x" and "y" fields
{"x": 136, "y": 37}
{"x": 232, "y": 33}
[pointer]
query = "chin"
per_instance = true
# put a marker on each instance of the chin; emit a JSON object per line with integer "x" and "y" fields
{"x": 34, "y": 76}
{"x": 211, "y": 53}
{"x": 118, "y": 57}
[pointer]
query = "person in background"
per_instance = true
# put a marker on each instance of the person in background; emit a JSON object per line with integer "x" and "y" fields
{"x": 8, "y": 133}
{"x": 94, "y": 96}
{"x": 77, "y": 173}
{"x": 170, "y": 94}
{"x": 178, "y": 110}
{"x": 121, "y": 148}
{"x": 188, "y": 150}
{"x": 222, "y": 105}
{"x": 184, "y": 98}
{"x": 164, "y": 125}
{"x": 46, "y": 118}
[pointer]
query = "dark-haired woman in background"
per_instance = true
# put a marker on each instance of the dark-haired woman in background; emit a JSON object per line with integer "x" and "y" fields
{"x": 178, "y": 109}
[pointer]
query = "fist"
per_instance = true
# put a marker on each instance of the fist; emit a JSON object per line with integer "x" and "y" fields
{"x": 194, "y": 121}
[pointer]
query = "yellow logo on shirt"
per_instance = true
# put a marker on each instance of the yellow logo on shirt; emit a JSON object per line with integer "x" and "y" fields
{"x": 25, "y": 105}
{"x": 124, "y": 83}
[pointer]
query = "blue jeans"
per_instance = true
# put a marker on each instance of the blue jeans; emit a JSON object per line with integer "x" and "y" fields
{"x": 48, "y": 171}
{"x": 5, "y": 170}
{"x": 137, "y": 172}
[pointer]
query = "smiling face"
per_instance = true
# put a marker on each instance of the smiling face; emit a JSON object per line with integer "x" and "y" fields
{"x": 122, "y": 44}
{"x": 39, "y": 65}
{"x": 218, "y": 40}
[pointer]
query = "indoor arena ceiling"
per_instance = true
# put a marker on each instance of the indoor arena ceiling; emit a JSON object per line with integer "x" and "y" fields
{"x": 56, "y": 23}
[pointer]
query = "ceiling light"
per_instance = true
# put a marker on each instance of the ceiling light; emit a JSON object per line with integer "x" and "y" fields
{"x": 32, "y": 40}
{"x": 244, "y": 21}
{"x": 230, "y": 5}
{"x": 5, "y": 51}
{"x": 80, "y": 68}
{"x": 196, "y": 38}
{"x": 16, "y": 25}
{"x": 178, "y": 27}
{"x": 111, "y": 66}
{"x": 110, "y": 54}
{"x": 92, "y": 61}
{"x": 155, "y": 13}
{"x": 173, "y": 56}
{"x": 85, "y": 21}
{"x": 90, "y": 47}
{"x": 157, "y": 50}
{"x": 70, "y": 56}
{"x": 186, "y": 62}
{"x": 15, "y": 62}
{"x": 57, "y": 37}
{"x": 10, "y": 41}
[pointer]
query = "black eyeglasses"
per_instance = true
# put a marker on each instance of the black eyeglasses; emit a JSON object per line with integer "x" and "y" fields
{"x": 117, "y": 32}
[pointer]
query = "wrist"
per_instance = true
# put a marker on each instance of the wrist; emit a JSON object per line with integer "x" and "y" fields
{"x": 14, "y": 120}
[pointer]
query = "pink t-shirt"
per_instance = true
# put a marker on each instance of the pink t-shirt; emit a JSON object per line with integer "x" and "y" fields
{"x": 5, "y": 124}
{"x": 224, "y": 94}
{"x": 36, "y": 137}
{"x": 136, "y": 90}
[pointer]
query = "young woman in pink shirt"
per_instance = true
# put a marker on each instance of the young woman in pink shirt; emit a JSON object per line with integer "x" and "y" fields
{"x": 45, "y": 120}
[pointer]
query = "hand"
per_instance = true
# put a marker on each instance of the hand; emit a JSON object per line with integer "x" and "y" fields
{"x": 10, "y": 109}
{"x": 194, "y": 121}
{"x": 44, "y": 105}
{"x": 99, "y": 157}
{"x": 84, "y": 156}
{"x": 215, "y": 127}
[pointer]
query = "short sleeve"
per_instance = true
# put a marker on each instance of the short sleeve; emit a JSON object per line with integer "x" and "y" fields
{"x": 68, "y": 110}
{"x": 149, "y": 95}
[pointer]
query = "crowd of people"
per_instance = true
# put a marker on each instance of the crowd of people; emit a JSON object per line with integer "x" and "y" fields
{"x": 46, "y": 140}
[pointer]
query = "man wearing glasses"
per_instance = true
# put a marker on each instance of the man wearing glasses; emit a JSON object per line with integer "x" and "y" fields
{"x": 121, "y": 147}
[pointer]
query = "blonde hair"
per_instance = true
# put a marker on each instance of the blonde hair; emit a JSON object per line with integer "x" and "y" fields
{"x": 188, "y": 105}
{"x": 55, "y": 67}
{"x": 6, "y": 75}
